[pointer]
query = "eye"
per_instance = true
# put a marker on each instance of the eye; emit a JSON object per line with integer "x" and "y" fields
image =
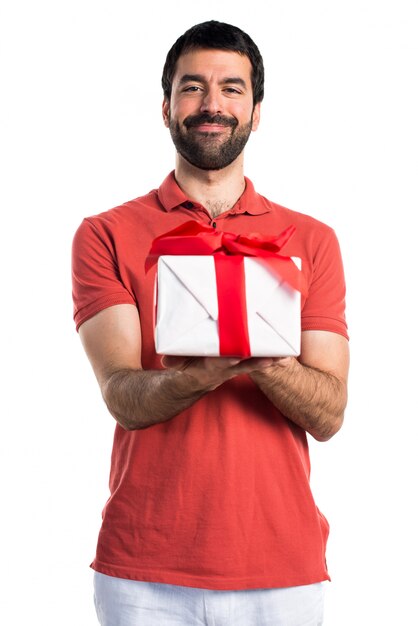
{"x": 232, "y": 90}
{"x": 191, "y": 89}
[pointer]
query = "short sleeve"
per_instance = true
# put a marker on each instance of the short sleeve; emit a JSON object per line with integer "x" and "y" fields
{"x": 96, "y": 279}
{"x": 324, "y": 308}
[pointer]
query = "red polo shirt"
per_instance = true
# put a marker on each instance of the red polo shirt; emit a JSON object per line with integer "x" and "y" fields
{"x": 217, "y": 497}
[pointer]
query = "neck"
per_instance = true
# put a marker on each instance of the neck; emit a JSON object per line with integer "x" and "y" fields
{"x": 216, "y": 190}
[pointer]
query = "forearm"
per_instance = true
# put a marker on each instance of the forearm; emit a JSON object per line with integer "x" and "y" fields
{"x": 140, "y": 398}
{"x": 313, "y": 399}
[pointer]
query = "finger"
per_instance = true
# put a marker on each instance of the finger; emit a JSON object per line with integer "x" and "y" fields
{"x": 255, "y": 363}
{"x": 224, "y": 362}
{"x": 175, "y": 362}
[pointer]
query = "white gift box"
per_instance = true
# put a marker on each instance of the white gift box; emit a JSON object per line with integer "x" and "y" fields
{"x": 187, "y": 308}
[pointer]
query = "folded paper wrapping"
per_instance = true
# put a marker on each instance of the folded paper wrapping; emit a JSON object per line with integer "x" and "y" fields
{"x": 241, "y": 299}
{"x": 187, "y": 315}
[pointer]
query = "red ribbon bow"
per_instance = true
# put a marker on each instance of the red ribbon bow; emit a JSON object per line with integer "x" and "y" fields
{"x": 228, "y": 250}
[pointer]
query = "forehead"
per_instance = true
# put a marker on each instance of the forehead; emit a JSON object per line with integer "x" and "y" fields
{"x": 213, "y": 63}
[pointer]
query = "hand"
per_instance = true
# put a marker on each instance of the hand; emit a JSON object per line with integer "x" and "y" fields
{"x": 210, "y": 372}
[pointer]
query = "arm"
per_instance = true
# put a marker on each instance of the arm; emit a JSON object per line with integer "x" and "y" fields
{"x": 139, "y": 398}
{"x": 310, "y": 391}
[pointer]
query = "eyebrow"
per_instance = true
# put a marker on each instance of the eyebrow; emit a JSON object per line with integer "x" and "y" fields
{"x": 199, "y": 78}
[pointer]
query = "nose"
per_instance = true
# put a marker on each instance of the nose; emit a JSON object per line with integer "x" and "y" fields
{"x": 211, "y": 102}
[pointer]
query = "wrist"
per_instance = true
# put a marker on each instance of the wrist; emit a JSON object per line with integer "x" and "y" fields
{"x": 279, "y": 366}
{"x": 189, "y": 383}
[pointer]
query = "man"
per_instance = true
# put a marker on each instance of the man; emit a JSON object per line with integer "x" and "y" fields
{"x": 210, "y": 519}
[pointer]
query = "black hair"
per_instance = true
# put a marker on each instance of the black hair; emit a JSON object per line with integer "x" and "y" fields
{"x": 217, "y": 36}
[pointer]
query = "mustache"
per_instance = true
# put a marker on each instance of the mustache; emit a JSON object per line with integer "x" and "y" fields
{"x": 205, "y": 118}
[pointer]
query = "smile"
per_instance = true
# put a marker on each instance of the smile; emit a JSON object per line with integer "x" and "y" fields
{"x": 209, "y": 128}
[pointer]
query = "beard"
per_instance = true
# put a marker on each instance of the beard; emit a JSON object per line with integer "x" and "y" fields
{"x": 209, "y": 151}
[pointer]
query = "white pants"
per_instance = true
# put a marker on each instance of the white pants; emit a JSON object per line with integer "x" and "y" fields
{"x": 121, "y": 602}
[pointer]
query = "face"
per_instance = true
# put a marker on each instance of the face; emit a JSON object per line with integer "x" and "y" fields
{"x": 211, "y": 113}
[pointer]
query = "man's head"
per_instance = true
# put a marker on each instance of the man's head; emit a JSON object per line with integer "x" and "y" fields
{"x": 213, "y": 83}
{"x": 216, "y": 36}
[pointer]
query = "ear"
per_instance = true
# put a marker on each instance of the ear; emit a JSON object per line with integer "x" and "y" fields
{"x": 166, "y": 112}
{"x": 256, "y": 116}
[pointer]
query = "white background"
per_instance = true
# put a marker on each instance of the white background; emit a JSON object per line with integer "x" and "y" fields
{"x": 81, "y": 132}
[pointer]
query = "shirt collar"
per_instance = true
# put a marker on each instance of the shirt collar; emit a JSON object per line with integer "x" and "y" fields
{"x": 171, "y": 197}
{"x": 169, "y": 193}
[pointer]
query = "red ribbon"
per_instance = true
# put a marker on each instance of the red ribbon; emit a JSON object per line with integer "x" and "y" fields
{"x": 228, "y": 250}
{"x": 234, "y": 339}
